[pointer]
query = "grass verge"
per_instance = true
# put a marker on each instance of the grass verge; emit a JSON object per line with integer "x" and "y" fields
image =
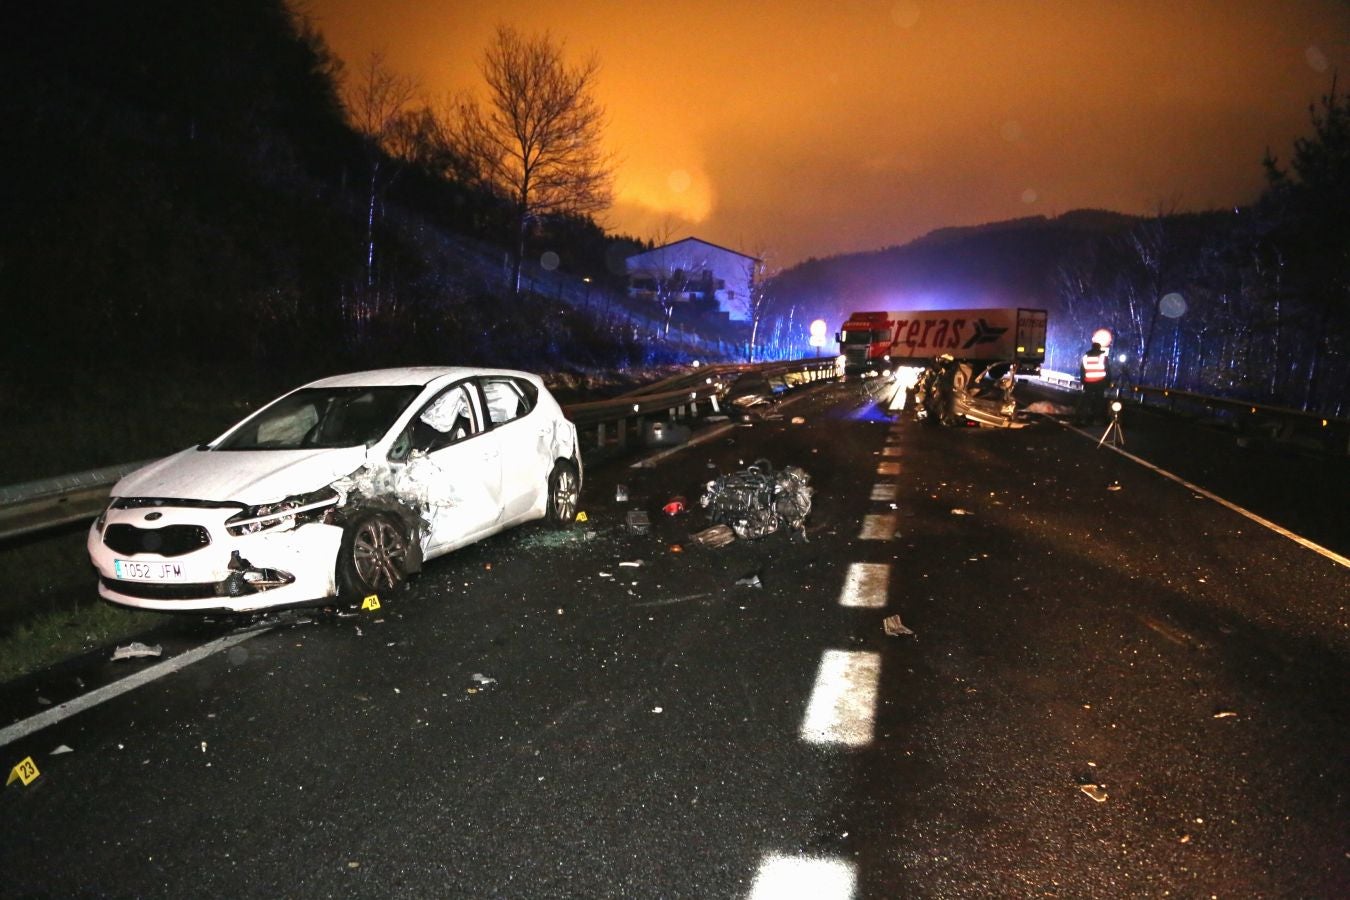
{"x": 48, "y": 638}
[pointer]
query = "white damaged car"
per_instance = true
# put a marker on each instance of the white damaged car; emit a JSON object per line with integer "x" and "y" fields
{"x": 342, "y": 487}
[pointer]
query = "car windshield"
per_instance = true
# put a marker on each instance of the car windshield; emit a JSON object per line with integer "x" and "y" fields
{"x": 322, "y": 417}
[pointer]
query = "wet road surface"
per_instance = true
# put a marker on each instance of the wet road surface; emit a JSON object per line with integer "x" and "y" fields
{"x": 1113, "y": 687}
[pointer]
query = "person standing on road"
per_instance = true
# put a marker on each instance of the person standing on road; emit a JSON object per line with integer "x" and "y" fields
{"x": 1096, "y": 377}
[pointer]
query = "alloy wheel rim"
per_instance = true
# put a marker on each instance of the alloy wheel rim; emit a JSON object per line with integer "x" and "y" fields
{"x": 565, "y": 495}
{"x": 378, "y": 553}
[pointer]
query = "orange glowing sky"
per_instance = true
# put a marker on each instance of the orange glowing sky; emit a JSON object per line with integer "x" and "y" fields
{"x": 796, "y": 129}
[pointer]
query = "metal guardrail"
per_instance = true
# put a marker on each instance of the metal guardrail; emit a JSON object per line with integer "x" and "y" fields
{"x": 681, "y": 396}
{"x": 35, "y": 506}
{"x": 1279, "y": 424}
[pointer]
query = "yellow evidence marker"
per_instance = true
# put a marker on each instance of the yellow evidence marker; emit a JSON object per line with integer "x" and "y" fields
{"x": 26, "y": 771}
{"x": 372, "y": 602}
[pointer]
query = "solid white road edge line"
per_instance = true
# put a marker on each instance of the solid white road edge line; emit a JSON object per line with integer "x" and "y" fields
{"x": 842, "y": 709}
{"x": 807, "y": 878}
{"x": 25, "y": 727}
{"x": 1266, "y": 523}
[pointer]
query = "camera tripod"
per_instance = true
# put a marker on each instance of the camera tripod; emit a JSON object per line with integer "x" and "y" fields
{"x": 1113, "y": 433}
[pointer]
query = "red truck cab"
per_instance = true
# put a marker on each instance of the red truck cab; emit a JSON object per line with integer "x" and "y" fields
{"x": 865, "y": 341}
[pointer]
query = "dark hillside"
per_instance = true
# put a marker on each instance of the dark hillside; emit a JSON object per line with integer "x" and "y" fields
{"x": 1010, "y": 263}
{"x": 185, "y": 231}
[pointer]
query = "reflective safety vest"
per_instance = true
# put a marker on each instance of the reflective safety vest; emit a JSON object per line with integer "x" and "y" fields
{"x": 1094, "y": 367}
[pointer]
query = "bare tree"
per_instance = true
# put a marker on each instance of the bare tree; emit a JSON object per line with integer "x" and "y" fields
{"x": 377, "y": 103}
{"x": 761, "y": 300}
{"x": 671, "y": 275}
{"x": 537, "y": 139}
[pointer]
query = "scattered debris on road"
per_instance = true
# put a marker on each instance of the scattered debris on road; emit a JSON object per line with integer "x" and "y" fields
{"x": 638, "y": 522}
{"x": 621, "y": 493}
{"x": 1225, "y": 714}
{"x": 674, "y": 507}
{"x": 962, "y": 512}
{"x": 894, "y": 627}
{"x": 756, "y": 501}
{"x": 631, "y": 563}
{"x": 136, "y": 649}
{"x": 716, "y": 536}
{"x": 482, "y": 679}
{"x": 1113, "y": 486}
{"x": 751, "y": 580}
{"x": 62, "y": 749}
{"x": 1095, "y": 791}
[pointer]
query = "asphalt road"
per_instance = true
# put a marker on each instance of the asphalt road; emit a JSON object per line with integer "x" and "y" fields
{"x": 533, "y": 718}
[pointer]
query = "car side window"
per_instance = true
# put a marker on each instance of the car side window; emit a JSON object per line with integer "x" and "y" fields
{"x": 453, "y": 415}
{"x": 507, "y": 398}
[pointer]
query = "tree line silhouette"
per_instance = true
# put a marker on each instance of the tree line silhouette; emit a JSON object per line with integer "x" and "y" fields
{"x": 185, "y": 188}
{"x": 188, "y": 187}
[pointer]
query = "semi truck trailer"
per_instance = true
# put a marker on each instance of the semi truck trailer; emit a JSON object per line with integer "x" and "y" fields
{"x": 963, "y": 363}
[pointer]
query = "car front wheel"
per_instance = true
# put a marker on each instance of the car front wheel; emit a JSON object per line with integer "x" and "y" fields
{"x": 374, "y": 556}
{"x": 564, "y": 491}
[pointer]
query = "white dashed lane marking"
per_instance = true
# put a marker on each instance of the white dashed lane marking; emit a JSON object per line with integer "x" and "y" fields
{"x": 804, "y": 878}
{"x": 878, "y": 527}
{"x": 888, "y": 468}
{"x": 842, "y": 709}
{"x": 885, "y": 492}
{"x": 866, "y": 585}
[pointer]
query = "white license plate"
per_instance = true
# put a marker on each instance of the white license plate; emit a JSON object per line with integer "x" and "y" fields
{"x": 147, "y": 571}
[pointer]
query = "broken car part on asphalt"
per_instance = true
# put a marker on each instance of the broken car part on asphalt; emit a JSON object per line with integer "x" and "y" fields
{"x": 716, "y": 536}
{"x": 638, "y": 522}
{"x": 136, "y": 650}
{"x": 758, "y": 501}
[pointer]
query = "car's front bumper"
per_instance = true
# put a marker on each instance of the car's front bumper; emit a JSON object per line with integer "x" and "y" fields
{"x": 280, "y": 567}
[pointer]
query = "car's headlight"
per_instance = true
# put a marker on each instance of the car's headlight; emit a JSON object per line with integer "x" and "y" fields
{"x": 286, "y": 513}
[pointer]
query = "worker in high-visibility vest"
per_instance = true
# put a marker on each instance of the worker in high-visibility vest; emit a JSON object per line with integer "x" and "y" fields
{"x": 1095, "y": 375}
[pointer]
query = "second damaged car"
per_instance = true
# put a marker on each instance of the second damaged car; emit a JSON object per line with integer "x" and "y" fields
{"x": 342, "y": 487}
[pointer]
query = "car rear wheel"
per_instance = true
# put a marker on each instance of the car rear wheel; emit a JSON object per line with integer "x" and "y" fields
{"x": 374, "y": 556}
{"x": 564, "y": 492}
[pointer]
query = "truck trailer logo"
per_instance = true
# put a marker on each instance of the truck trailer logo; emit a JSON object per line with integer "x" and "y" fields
{"x": 945, "y": 334}
{"x": 984, "y": 334}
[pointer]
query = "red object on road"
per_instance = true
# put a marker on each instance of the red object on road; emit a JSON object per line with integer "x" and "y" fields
{"x": 674, "y": 507}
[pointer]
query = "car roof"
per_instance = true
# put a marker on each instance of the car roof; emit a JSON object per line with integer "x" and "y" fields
{"x": 412, "y": 375}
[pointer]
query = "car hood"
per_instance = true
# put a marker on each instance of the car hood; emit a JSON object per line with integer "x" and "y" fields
{"x": 250, "y": 477}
